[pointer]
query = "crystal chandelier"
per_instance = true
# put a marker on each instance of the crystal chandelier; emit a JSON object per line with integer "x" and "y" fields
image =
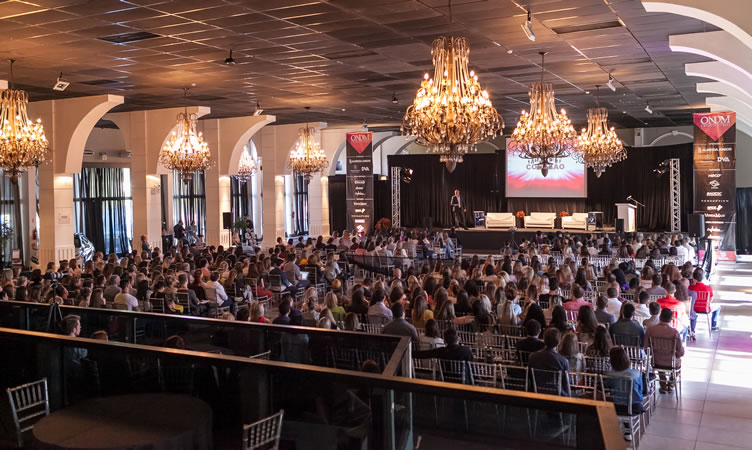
{"x": 451, "y": 113}
{"x": 599, "y": 145}
{"x": 247, "y": 167}
{"x": 307, "y": 158}
{"x": 186, "y": 151}
{"x": 543, "y": 135}
{"x": 22, "y": 142}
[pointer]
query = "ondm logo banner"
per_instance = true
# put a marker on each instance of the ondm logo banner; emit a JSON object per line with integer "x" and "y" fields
{"x": 359, "y": 185}
{"x": 715, "y": 179}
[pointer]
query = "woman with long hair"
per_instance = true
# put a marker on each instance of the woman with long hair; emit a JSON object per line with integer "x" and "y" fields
{"x": 559, "y": 319}
{"x": 570, "y": 349}
{"x": 586, "y": 324}
{"x": 601, "y": 343}
{"x": 508, "y": 316}
{"x": 421, "y": 313}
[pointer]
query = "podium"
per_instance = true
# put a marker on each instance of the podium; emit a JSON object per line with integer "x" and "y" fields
{"x": 627, "y": 211}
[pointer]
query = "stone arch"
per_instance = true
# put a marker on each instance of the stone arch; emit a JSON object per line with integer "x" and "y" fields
{"x": 665, "y": 135}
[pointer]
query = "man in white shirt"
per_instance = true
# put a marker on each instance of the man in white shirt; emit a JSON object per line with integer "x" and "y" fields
{"x": 614, "y": 304}
{"x": 642, "y": 311}
{"x": 681, "y": 252}
{"x": 690, "y": 250}
{"x": 124, "y": 297}
{"x": 221, "y": 296}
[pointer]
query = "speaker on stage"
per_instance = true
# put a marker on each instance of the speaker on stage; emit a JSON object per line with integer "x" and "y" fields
{"x": 619, "y": 226}
{"x": 226, "y": 220}
{"x": 696, "y": 224}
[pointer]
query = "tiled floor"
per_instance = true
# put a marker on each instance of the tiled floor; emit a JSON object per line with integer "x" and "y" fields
{"x": 715, "y": 410}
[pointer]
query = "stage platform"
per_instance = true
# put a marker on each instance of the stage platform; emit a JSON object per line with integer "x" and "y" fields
{"x": 493, "y": 239}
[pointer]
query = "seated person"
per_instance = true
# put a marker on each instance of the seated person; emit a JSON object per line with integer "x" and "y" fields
{"x": 399, "y": 326}
{"x": 626, "y": 331}
{"x": 453, "y": 350}
{"x": 664, "y": 357}
{"x": 621, "y": 368}
{"x": 549, "y": 359}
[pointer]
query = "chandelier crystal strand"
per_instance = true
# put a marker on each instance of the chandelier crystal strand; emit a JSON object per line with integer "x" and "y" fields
{"x": 247, "y": 167}
{"x": 23, "y": 143}
{"x": 186, "y": 151}
{"x": 543, "y": 135}
{"x": 599, "y": 145}
{"x": 451, "y": 113}
{"x": 307, "y": 158}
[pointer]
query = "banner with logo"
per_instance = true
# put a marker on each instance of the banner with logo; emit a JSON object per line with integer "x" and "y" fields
{"x": 359, "y": 196}
{"x": 715, "y": 179}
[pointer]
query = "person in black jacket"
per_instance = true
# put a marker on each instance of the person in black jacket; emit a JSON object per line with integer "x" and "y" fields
{"x": 453, "y": 350}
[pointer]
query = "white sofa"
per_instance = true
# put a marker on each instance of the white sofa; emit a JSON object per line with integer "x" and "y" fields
{"x": 577, "y": 221}
{"x": 540, "y": 220}
{"x": 500, "y": 220}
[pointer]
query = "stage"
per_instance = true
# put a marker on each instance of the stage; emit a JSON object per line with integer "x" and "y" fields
{"x": 491, "y": 240}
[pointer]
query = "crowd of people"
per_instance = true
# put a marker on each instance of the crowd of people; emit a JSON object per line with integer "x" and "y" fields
{"x": 547, "y": 285}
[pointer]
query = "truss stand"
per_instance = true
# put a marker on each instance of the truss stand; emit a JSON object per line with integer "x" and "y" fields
{"x": 396, "y": 183}
{"x": 675, "y": 195}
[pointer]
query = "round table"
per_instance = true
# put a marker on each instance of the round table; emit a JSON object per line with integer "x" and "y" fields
{"x": 139, "y": 421}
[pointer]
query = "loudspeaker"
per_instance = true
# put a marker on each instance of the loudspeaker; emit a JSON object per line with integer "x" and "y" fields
{"x": 619, "y": 226}
{"x": 696, "y": 224}
{"x": 226, "y": 220}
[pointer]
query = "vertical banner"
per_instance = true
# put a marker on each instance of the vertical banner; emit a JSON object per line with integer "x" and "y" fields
{"x": 715, "y": 179}
{"x": 359, "y": 197}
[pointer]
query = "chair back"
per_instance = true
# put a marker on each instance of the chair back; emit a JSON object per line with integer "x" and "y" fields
{"x": 583, "y": 385}
{"x": 211, "y": 294}
{"x": 483, "y": 374}
{"x": 618, "y": 390}
{"x": 626, "y": 340}
{"x": 702, "y": 303}
{"x": 452, "y": 371}
{"x": 513, "y": 377}
{"x": 264, "y": 432}
{"x": 664, "y": 347}
{"x": 597, "y": 364}
{"x": 28, "y": 403}
{"x": 547, "y": 381}
{"x": 511, "y": 330}
{"x": 425, "y": 369}
{"x": 181, "y": 298}
{"x": 372, "y": 328}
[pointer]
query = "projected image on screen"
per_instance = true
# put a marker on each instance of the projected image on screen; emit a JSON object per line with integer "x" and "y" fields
{"x": 566, "y": 178}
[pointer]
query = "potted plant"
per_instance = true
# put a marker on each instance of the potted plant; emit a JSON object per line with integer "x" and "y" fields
{"x": 6, "y": 234}
{"x": 520, "y": 219}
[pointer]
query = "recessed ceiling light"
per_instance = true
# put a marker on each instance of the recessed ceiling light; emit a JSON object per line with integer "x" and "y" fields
{"x": 510, "y": 51}
{"x": 587, "y": 92}
{"x": 343, "y": 110}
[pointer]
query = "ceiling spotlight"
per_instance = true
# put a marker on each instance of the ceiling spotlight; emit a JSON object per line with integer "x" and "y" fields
{"x": 258, "y": 109}
{"x": 510, "y": 51}
{"x": 365, "y": 125}
{"x": 587, "y": 92}
{"x": 611, "y": 82}
{"x": 395, "y": 100}
{"x": 61, "y": 84}
{"x": 527, "y": 27}
{"x": 230, "y": 59}
{"x": 406, "y": 175}
{"x": 343, "y": 109}
{"x": 649, "y": 109}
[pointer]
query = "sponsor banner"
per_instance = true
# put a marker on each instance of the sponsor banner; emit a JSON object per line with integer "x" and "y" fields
{"x": 715, "y": 179}
{"x": 359, "y": 196}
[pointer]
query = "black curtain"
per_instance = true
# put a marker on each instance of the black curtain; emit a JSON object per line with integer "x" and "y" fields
{"x": 634, "y": 176}
{"x": 382, "y": 199}
{"x": 189, "y": 201}
{"x": 744, "y": 220}
{"x": 481, "y": 179}
{"x": 240, "y": 194}
{"x": 103, "y": 208}
{"x": 337, "y": 202}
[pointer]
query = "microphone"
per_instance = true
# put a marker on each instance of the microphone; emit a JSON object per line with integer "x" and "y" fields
{"x": 629, "y": 197}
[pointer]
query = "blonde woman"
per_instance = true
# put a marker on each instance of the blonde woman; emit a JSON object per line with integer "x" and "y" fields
{"x": 421, "y": 314}
{"x": 508, "y": 317}
{"x": 256, "y": 312}
{"x": 337, "y": 312}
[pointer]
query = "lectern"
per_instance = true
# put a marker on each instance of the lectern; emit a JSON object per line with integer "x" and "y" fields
{"x": 627, "y": 212}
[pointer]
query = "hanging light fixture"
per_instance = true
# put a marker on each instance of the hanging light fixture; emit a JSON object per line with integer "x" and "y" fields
{"x": 247, "y": 167}
{"x": 22, "y": 142}
{"x": 307, "y": 158}
{"x": 451, "y": 113}
{"x": 186, "y": 151}
{"x": 543, "y": 135}
{"x": 598, "y": 144}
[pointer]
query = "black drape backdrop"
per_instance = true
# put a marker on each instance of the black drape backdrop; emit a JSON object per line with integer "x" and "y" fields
{"x": 744, "y": 220}
{"x": 103, "y": 207}
{"x": 481, "y": 179}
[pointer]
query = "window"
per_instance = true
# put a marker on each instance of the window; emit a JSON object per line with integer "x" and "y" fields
{"x": 103, "y": 208}
{"x": 7, "y": 215}
{"x": 189, "y": 202}
{"x": 240, "y": 194}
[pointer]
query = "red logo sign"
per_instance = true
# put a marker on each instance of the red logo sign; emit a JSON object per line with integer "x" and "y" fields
{"x": 715, "y": 124}
{"x": 359, "y": 141}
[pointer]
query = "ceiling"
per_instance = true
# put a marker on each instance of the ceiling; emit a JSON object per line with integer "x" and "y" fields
{"x": 346, "y": 58}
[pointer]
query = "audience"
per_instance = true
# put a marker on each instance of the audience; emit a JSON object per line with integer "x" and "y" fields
{"x": 399, "y": 326}
{"x": 549, "y": 359}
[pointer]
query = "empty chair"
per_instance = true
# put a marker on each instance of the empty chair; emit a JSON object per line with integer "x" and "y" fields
{"x": 552, "y": 382}
{"x": 484, "y": 374}
{"x": 264, "y": 432}
{"x": 28, "y": 403}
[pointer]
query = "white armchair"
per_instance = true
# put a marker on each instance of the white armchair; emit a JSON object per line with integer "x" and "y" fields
{"x": 500, "y": 220}
{"x": 577, "y": 221}
{"x": 540, "y": 220}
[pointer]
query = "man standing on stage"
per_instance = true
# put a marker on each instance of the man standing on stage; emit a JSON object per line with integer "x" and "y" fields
{"x": 458, "y": 210}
